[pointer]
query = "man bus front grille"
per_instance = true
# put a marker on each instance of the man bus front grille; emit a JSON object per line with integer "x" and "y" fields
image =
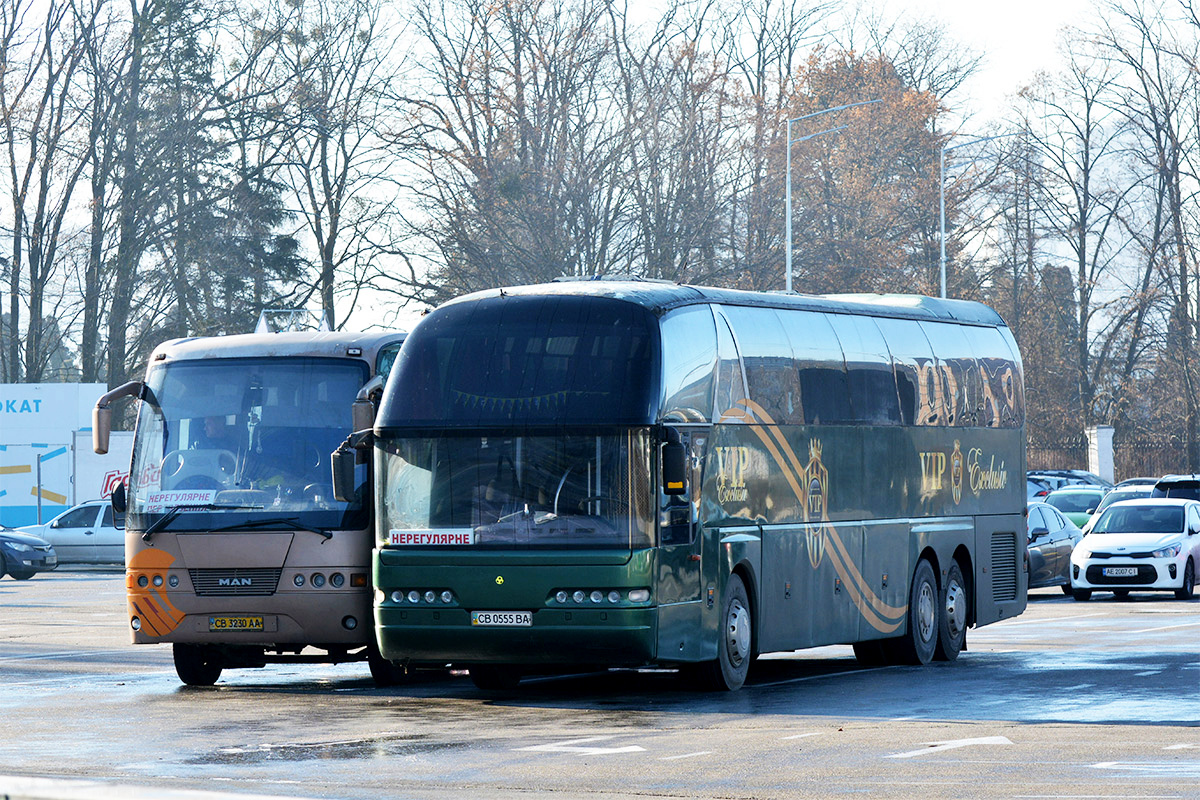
{"x": 1004, "y": 566}
{"x": 235, "y": 582}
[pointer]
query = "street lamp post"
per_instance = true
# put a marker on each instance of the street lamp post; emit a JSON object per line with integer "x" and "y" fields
{"x": 942, "y": 194}
{"x": 787, "y": 223}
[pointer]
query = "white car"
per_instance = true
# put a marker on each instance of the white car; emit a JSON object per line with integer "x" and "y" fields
{"x": 1142, "y": 545}
{"x": 84, "y": 534}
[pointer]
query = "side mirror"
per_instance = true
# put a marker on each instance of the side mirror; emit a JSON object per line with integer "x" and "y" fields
{"x": 101, "y": 428}
{"x": 118, "y": 499}
{"x": 1092, "y": 510}
{"x": 1037, "y": 533}
{"x": 102, "y": 414}
{"x": 342, "y": 461}
{"x": 674, "y": 465}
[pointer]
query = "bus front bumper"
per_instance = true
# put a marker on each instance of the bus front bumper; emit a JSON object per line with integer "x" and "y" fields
{"x": 612, "y": 637}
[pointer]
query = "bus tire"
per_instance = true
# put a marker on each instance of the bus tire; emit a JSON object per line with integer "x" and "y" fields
{"x": 385, "y": 673}
{"x": 953, "y": 614}
{"x": 735, "y": 645}
{"x": 919, "y": 642}
{"x": 495, "y": 677}
{"x": 197, "y": 664}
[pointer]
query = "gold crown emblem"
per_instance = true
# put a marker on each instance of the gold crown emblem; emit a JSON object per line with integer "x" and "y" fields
{"x": 814, "y": 449}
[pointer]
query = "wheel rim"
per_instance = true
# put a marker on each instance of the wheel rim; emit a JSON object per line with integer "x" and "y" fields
{"x": 956, "y": 608}
{"x": 739, "y": 633}
{"x": 926, "y": 612}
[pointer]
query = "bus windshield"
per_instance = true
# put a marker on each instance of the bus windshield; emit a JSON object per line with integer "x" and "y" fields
{"x": 505, "y": 491}
{"x": 248, "y": 440}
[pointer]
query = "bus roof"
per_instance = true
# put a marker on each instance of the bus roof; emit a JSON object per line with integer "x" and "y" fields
{"x": 292, "y": 343}
{"x": 663, "y": 296}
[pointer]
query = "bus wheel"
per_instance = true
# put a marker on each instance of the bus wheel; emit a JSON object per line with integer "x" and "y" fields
{"x": 919, "y": 643}
{"x": 385, "y": 673}
{"x": 735, "y": 646}
{"x": 952, "y": 616}
{"x": 197, "y": 664}
{"x": 495, "y": 677}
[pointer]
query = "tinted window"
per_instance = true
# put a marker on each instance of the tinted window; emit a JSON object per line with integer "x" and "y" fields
{"x": 506, "y": 359}
{"x": 958, "y": 387}
{"x": 107, "y": 521}
{"x": 689, "y": 348}
{"x": 767, "y": 355}
{"x": 912, "y": 360}
{"x": 731, "y": 387}
{"x": 1185, "y": 489}
{"x": 869, "y": 376}
{"x": 824, "y": 395}
{"x": 1036, "y": 520}
{"x": 1000, "y": 404}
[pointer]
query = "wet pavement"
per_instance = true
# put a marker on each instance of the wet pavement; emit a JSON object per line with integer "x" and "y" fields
{"x": 1097, "y": 699}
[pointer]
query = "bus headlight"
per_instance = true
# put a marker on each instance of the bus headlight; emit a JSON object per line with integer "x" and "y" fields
{"x": 639, "y": 596}
{"x": 447, "y": 597}
{"x": 135, "y": 623}
{"x": 614, "y": 596}
{"x": 579, "y": 596}
{"x": 414, "y": 596}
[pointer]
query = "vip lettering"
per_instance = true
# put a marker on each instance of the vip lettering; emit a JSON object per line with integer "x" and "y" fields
{"x": 933, "y": 472}
{"x": 22, "y": 406}
{"x": 732, "y": 464}
{"x": 985, "y": 477}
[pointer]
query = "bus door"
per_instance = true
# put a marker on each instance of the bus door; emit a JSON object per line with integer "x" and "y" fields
{"x": 678, "y": 564}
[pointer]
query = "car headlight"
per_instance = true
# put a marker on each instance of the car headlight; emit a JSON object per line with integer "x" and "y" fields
{"x": 1081, "y": 553}
{"x": 20, "y": 548}
{"x": 1168, "y": 552}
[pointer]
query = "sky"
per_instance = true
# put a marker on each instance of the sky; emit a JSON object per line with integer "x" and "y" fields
{"x": 1017, "y": 38}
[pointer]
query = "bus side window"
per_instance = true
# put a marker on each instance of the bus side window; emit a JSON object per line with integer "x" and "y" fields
{"x": 766, "y": 353}
{"x": 689, "y": 359}
{"x": 820, "y": 369}
{"x": 386, "y": 358}
{"x": 870, "y": 379}
{"x": 731, "y": 385}
{"x": 912, "y": 362}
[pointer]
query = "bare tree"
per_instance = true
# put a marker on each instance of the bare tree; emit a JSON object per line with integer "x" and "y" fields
{"x": 45, "y": 159}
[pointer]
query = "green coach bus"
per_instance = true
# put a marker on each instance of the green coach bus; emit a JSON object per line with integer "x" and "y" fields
{"x": 623, "y": 473}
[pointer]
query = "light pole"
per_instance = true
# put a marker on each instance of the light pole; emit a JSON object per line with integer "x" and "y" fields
{"x": 787, "y": 224}
{"x": 942, "y": 194}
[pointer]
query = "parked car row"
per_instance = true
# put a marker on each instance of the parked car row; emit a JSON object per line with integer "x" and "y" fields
{"x": 1143, "y": 534}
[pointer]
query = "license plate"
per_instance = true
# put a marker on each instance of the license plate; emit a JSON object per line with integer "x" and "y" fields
{"x": 235, "y": 623}
{"x": 1120, "y": 572}
{"x": 502, "y": 618}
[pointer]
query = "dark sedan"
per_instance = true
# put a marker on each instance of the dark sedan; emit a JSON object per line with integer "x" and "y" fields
{"x": 1052, "y": 537}
{"x": 23, "y": 555}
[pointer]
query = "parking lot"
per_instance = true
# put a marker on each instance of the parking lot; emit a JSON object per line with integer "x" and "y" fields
{"x": 1098, "y": 699}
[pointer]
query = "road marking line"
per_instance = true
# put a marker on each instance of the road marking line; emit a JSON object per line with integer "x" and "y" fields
{"x": 1183, "y": 747}
{"x": 802, "y": 736}
{"x": 1148, "y": 673}
{"x": 937, "y": 747}
{"x": 573, "y": 746}
{"x": 1051, "y": 619}
{"x": 1163, "y": 628}
{"x": 686, "y": 755}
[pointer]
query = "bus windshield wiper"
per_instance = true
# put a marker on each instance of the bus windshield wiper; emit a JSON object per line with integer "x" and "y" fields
{"x": 165, "y": 520}
{"x": 262, "y": 523}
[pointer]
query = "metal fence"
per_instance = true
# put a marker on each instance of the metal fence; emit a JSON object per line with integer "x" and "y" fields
{"x": 1134, "y": 455}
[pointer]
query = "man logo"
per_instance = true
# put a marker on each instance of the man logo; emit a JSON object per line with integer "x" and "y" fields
{"x": 235, "y": 582}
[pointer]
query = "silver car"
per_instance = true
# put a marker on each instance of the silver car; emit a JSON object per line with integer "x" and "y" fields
{"x": 84, "y": 534}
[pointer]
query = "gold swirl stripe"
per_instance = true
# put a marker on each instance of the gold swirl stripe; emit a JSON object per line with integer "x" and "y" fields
{"x": 873, "y": 608}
